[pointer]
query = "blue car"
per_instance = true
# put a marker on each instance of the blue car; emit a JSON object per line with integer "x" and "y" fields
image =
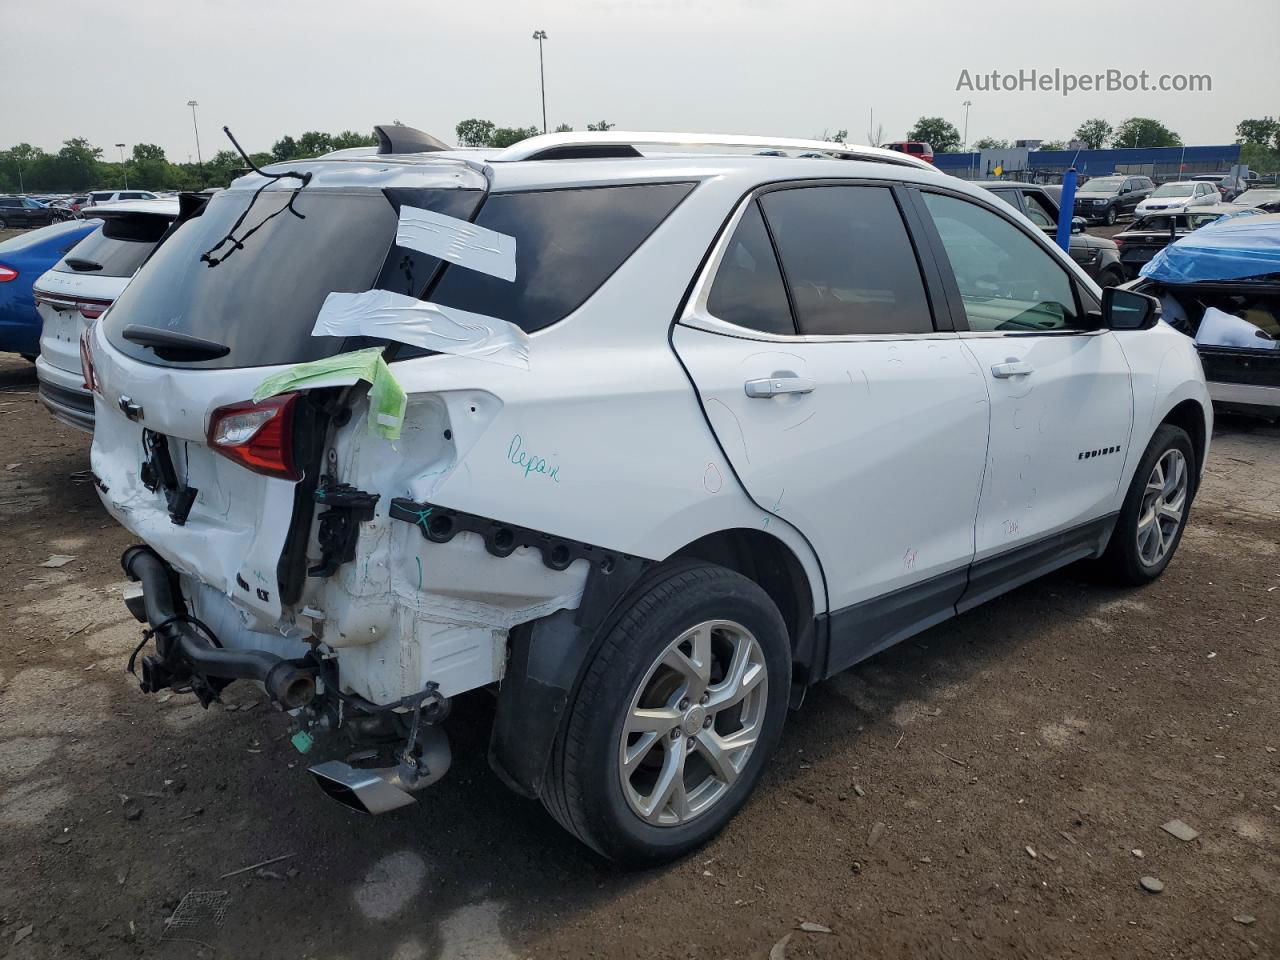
{"x": 23, "y": 259}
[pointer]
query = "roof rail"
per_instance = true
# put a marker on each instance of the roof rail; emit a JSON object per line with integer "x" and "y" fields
{"x": 562, "y": 146}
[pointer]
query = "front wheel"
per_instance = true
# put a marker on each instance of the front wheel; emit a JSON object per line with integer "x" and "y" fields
{"x": 1111, "y": 216}
{"x": 676, "y": 714}
{"x": 1155, "y": 509}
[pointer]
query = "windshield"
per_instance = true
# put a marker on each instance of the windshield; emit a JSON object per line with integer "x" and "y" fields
{"x": 260, "y": 301}
{"x": 1102, "y": 185}
{"x": 1174, "y": 190}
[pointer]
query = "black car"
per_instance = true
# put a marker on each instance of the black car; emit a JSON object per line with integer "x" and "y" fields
{"x": 1099, "y": 257}
{"x": 1105, "y": 199}
{"x": 25, "y": 212}
{"x": 1147, "y": 235}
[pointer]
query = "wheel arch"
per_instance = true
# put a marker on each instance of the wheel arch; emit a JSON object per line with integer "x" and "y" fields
{"x": 769, "y": 562}
{"x": 1190, "y": 416}
{"x": 546, "y": 658}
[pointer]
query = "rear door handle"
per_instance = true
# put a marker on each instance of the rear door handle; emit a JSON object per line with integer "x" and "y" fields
{"x": 1011, "y": 368}
{"x": 773, "y": 386}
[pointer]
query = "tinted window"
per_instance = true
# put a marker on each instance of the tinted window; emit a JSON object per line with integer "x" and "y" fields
{"x": 848, "y": 261}
{"x": 100, "y": 197}
{"x": 568, "y": 242}
{"x": 748, "y": 287}
{"x": 9, "y": 202}
{"x": 133, "y": 196}
{"x": 114, "y": 257}
{"x": 261, "y": 301}
{"x": 409, "y": 271}
{"x": 1007, "y": 281}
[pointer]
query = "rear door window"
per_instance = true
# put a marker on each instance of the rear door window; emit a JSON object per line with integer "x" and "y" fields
{"x": 568, "y": 243}
{"x": 848, "y": 261}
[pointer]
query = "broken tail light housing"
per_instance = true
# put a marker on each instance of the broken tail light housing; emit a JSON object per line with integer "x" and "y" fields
{"x": 258, "y": 436}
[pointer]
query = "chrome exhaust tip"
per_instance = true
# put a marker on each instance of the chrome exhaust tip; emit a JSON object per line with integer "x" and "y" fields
{"x": 368, "y": 791}
{"x": 377, "y": 790}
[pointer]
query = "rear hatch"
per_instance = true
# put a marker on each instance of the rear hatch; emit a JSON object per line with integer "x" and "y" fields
{"x": 80, "y": 286}
{"x": 1240, "y": 355}
{"x": 249, "y": 308}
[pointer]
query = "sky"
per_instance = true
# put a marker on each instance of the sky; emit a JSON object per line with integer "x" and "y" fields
{"x": 789, "y": 69}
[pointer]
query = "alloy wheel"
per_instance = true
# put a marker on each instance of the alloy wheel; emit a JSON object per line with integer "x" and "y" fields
{"x": 1164, "y": 505}
{"x": 693, "y": 723}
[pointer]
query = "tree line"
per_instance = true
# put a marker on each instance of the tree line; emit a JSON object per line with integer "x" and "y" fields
{"x": 1259, "y": 139}
{"x": 80, "y": 165}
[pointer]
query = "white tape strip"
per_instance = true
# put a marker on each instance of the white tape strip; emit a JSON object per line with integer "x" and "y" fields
{"x": 460, "y": 242}
{"x": 393, "y": 316}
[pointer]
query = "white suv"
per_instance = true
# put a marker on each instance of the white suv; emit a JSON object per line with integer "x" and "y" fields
{"x": 667, "y": 433}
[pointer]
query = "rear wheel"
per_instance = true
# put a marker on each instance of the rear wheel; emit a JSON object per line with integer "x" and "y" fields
{"x": 676, "y": 714}
{"x": 1155, "y": 509}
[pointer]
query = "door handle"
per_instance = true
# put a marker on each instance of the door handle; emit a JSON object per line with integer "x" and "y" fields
{"x": 774, "y": 386}
{"x": 1011, "y": 368}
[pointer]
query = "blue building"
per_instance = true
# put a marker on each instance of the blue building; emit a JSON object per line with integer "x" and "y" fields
{"x": 1162, "y": 163}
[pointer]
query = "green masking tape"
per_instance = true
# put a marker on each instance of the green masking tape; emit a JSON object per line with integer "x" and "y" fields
{"x": 386, "y": 396}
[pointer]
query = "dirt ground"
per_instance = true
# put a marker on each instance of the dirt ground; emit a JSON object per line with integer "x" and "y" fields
{"x": 994, "y": 788}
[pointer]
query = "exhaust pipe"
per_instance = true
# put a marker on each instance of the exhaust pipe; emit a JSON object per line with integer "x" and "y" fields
{"x": 180, "y": 644}
{"x": 381, "y": 789}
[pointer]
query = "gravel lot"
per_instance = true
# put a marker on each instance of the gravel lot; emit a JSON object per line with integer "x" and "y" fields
{"x": 994, "y": 788}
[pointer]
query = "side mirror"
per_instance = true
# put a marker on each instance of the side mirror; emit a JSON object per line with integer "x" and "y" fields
{"x": 1078, "y": 224}
{"x": 1127, "y": 310}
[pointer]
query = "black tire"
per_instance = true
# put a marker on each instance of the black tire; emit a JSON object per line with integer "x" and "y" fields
{"x": 583, "y": 789}
{"x": 2, "y": 225}
{"x": 1122, "y": 563}
{"x": 1110, "y": 217}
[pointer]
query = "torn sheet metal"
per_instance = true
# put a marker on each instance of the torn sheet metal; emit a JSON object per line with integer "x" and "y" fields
{"x": 1221, "y": 329}
{"x": 386, "y": 396}
{"x": 393, "y": 316}
{"x": 457, "y": 241}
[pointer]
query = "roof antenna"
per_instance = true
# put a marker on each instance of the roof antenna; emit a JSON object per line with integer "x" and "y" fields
{"x": 305, "y": 178}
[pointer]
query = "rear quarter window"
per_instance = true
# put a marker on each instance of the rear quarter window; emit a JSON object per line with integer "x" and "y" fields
{"x": 568, "y": 243}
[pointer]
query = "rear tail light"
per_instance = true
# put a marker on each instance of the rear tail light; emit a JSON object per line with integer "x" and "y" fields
{"x": 86, "y": 364}
{"x": 258, "y": 436}
{"x": 7, "y": 274}
{"x": 92, "y": 309}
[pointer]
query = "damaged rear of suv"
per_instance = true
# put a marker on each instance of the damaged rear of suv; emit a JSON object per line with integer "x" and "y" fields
{"x": 617, "y": 436}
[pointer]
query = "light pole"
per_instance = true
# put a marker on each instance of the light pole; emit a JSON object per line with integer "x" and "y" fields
{"x": 196, "y": 127}
{"x": 541, "y": 35}
{"x": 124, "y": 166}
{"x": 965, "y": 146}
